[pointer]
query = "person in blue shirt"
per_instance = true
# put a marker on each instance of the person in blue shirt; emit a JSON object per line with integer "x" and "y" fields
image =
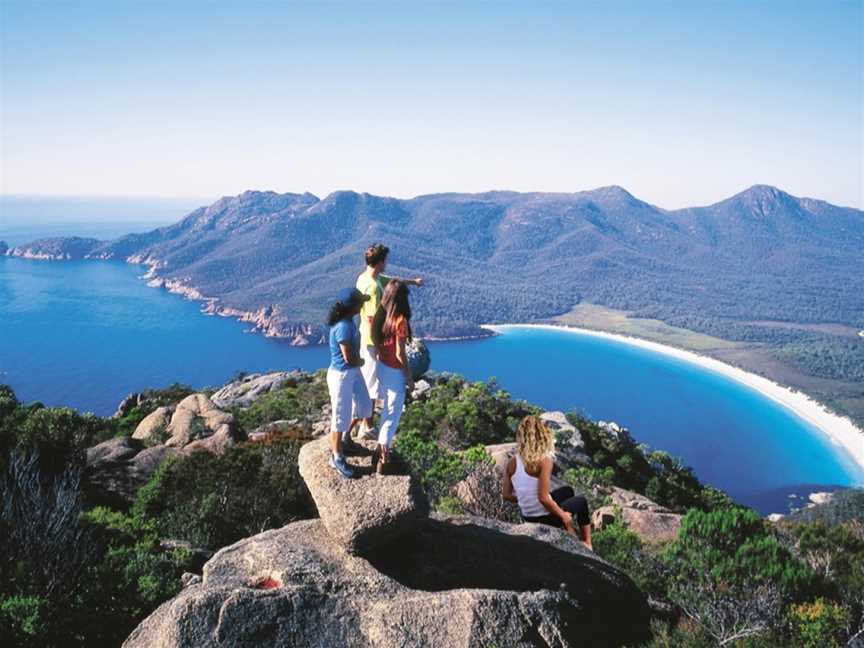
{"x": 344, "y": 381}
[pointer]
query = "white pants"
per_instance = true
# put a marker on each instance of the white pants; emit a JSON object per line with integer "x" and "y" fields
{"x": 370, "y": 371}
{"x": 392, "y": 393}
{"x": 347, "y": 395}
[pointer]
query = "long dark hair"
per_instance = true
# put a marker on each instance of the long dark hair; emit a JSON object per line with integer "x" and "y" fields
{"x": 394, "y": 304}
{"x": 340, "y": 311}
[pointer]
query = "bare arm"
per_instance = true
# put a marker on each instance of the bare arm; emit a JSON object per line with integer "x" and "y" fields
{"x": 416, "y": 281}
{"x": 546, "y": 499}
{"x": 402, "y": 357}
{"x": 507, "y": 483}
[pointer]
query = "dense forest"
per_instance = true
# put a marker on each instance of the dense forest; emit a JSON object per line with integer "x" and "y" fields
{"x": 77, "y": 572}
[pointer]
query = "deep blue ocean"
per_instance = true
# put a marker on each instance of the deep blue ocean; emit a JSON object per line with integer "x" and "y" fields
{"x": 85, "y": 334}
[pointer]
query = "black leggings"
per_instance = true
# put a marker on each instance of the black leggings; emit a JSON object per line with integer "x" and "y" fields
{"x": 568, "y": 500}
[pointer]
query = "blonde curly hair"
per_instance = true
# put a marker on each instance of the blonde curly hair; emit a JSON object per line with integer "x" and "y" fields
{"x": 533, "y": 442}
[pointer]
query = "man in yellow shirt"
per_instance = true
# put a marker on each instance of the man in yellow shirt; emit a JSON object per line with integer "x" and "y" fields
{"x": 371, "y": 282}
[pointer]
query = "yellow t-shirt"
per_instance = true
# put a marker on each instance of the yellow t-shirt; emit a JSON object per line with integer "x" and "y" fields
{"x": 374, "y": 287}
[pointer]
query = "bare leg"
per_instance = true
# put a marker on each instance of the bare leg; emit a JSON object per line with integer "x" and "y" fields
{"x": 336, "y": 442}
{"x": 383, "y": 458}
{"x": 351, "y": 428}
{"x": 586, "y": 536}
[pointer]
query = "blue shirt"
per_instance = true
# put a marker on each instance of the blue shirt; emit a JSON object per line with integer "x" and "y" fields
{"x": 343, "y": 331}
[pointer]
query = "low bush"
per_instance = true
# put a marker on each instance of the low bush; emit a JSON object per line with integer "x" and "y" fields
{"x": 213, "y": 500}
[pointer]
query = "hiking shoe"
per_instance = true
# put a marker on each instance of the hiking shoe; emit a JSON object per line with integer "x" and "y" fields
{"x": 368, "y": 434}
{"x": 341, "y": 467}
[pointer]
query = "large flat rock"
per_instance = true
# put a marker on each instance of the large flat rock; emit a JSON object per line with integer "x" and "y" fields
{"x": 456, "y": 583}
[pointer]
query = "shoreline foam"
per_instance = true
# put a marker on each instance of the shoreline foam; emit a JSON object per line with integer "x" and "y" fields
{"x": 840, "y": 430}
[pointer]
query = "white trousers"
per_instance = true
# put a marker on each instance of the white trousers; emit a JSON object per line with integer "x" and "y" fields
{"x": 392, "y": 394}
{"x": 348, "y": 396}
{"x": 370, "y": 371}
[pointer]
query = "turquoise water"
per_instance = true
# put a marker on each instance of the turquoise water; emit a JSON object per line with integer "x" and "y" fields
{"x": 85, "y": 334}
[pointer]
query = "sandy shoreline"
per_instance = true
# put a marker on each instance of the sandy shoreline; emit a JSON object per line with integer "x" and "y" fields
{"x": 840, "y": 430}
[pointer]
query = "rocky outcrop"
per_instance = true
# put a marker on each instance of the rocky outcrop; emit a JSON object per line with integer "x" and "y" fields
{"x": 243, "y": 392}
{"x": 55, "y": 249}
{"x": 569, "y": 446}
{"x": 439, "y": 582}
{"x": 653, "y": 523}
{"x": 359, "y": 514}
{"x": 117, "y": 468}
{"x": 129, "y": 403}
{"x": 198, "y": 423}
{"x": 421, "y": 391}
{"x": 154, "y": 426}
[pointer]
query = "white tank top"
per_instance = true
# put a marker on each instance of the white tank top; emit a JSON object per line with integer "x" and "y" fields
{"x": 526, "y": 491}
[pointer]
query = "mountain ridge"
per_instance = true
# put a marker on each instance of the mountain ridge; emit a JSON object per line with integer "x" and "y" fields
{"x": 255, "y": 252}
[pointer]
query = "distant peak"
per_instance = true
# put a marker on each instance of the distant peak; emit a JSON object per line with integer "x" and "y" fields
{"x": 613, "y": 190}
{"x": 341, "y": 193}
{"x": 763, "y": 191}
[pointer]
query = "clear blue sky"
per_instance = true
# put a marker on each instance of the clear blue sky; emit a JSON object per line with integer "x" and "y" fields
{"x": 682, "y": 103}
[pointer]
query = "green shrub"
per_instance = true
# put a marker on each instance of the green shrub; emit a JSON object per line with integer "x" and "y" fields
{"x": 437, "y": 469}
{"x": 594, "y": 483}
{"x": 819, "y": 624}
{"x": 737, "y": 547}
{"x": 22, "y": 621}
{"x": 624, "y": 549}
{"x": 58, "y": 434}
{"x": 213, "y": 500}
{"x": 460, "y": 414}
{"x": 131, "y": 577}
{"x": 730, "y": 573}
{"x": 837, "y": 554}
{"x": 304, "y": 400}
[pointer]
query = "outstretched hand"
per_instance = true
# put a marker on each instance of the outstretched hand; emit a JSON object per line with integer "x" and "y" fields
{"x": 418, "y": 281}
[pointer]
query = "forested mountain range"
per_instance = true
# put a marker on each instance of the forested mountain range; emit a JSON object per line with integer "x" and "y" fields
{"x": 504, "y": 256}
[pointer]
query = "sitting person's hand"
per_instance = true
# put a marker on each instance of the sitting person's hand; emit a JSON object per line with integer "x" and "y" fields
{"x": 567, "y": 519}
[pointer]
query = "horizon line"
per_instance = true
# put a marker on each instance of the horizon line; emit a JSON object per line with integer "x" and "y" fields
{"x": 421, "y": 195}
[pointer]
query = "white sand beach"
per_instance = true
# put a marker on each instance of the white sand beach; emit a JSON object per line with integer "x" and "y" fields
{"x": 839, "y": 429}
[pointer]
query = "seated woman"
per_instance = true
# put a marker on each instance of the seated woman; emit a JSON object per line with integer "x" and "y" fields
{"x": 526, "y": 482}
